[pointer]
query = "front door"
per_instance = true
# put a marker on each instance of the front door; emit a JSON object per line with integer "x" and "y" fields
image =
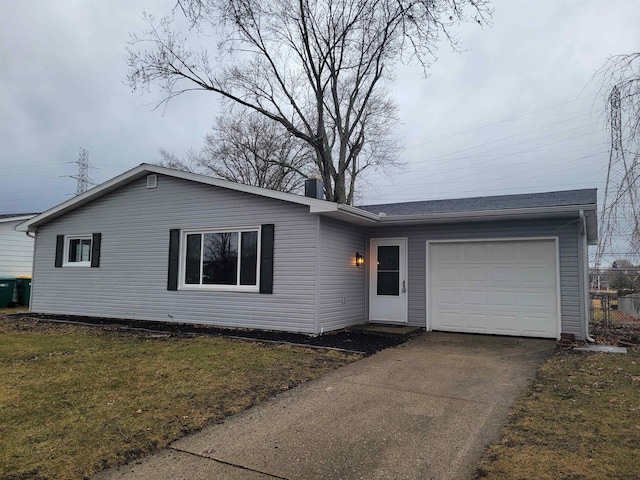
{"x": 388, "y": 285}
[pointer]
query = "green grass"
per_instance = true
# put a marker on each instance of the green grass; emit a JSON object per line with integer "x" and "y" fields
{"x": 76, "y": 400}
{"x": 580, "y": 420}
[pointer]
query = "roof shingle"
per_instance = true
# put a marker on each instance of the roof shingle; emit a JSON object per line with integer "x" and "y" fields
{"x": 480, "y": 204}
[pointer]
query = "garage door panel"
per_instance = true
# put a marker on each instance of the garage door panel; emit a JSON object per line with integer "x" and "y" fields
{"x": 505, "y": 324}
{"x": 478, "y": 322}
{"x": 534, "y": 324}
{"x": 537, "y": 276}
{"x": 471, "y": 253}
{"x": 503, "y": 298}
{"x": 476, "y": 298}
{"x": 449, "y": 254}
{"x": 507, "y": 288}
{"x": 475, "y": 274}
{"x": 450, "y": 274}
{"x": 446, "y": 298}
{"x": 501, "y": 252}
{"x": 537, "y": 252}
{"x": 451, "y": 320}
{"x": 539, "y": 301}
{"x": 503, "y": 274}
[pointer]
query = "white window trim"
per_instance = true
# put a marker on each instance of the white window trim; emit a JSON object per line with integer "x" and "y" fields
{"x": 67, "y": 241}
{"x": 219, "y": 288}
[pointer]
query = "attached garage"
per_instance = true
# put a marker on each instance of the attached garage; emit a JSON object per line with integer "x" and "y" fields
{"x": 506, "y": 265}
{"x": 494, "y": 287}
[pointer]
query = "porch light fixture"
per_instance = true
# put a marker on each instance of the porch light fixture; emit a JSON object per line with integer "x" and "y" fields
{"x": 359, "y": 260}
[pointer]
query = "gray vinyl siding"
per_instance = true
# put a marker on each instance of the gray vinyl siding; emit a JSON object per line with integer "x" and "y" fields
{"x": 16, "y": 251}
{"x": 131, "y": 281}
{"x": 567, "y": 230}
{"x": 342, "y": 283}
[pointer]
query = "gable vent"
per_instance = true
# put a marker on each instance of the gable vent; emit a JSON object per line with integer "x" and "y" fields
{"x": 152, "y": 181}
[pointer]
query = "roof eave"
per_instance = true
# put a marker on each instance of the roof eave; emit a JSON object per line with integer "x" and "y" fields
{"x": 315, "y": 205}
{"x": 20, "y": 218}
{"x": 359, "y": 216}
{"x": 363, "y": 217}
{"x": 487, "y": 214}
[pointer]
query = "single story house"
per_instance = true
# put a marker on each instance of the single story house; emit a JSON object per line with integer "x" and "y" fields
{"x": 165, "y": 245}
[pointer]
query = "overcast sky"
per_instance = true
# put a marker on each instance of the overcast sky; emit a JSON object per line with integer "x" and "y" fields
{"x": 514, "y": 113}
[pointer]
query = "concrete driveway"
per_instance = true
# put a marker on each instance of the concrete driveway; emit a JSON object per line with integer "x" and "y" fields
{"x": 423, "y": 410}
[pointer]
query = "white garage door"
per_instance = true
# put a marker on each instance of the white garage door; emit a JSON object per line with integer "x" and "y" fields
{"x": 494, "y": 287}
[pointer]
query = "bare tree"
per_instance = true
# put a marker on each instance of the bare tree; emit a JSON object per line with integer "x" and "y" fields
{"x": 190, "y": 162}
{"x": 248, "y": 148}
{"x": 620, "y": 216}
{"x": 316, "y": 67}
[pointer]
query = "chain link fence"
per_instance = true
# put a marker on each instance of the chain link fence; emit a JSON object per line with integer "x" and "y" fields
{"x": 610, "y": 310}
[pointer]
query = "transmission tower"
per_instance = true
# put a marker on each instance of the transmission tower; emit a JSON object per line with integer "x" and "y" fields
{"x": 620, "y": 195}
{"x": 82, "y": 177}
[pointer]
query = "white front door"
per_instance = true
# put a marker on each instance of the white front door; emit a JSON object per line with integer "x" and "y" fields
{"x": 388, "y": 284}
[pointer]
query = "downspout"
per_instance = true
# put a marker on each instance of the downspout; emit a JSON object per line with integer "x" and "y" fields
{"x": 585, "y": 277}
{"x": 33, "y": 265}
{"x": 318, "y": 327}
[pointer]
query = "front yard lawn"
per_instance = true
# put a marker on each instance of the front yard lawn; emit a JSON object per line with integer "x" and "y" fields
{"x": 579, "y": 420}
{"x": 75, "y": 400}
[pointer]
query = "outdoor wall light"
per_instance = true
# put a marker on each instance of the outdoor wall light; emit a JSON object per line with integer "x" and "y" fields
{"x": 359, "y": 260}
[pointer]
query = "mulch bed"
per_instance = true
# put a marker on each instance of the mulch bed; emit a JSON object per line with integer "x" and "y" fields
{"x": 366, "y": 344}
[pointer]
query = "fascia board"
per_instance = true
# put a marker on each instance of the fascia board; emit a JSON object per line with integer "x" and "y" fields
{"x": 359, "y": 213}
{"x": 359, "y": 216}
{"x": 486, "y": 214}
{"x": 21, "y": 218}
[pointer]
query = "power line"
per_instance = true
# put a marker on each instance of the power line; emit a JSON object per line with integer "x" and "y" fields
{"x": 515, "y": 117}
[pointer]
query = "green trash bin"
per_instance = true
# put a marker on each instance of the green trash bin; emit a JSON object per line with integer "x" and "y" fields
{"x": 6, "y": 291}
{"x": 23, "y": 287}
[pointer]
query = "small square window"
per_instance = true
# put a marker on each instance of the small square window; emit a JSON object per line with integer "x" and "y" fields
{"x": 78, "y": 250}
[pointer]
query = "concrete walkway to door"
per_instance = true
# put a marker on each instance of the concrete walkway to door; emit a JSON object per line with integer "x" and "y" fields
{"x": 423, "y": 410}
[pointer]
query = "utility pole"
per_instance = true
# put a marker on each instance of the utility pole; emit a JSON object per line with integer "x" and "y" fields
{"x": 82, "y": 177}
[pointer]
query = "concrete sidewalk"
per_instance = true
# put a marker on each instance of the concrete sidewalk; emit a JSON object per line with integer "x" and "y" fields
{"x": 423, "y": 410}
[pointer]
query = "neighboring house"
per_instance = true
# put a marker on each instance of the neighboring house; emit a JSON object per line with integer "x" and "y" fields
{"x": 160, "y": 244}
{"x": 16, "y": 248}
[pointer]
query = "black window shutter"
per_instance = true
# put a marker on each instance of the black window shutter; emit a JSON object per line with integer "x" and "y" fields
{"x": 174, "y": 254}
{"x": 266, "y": 259}
{"x": 95, "y": 249}
{"x": 59, "y": 250}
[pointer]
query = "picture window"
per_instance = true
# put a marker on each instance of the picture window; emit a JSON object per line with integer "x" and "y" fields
{"x": 220, "y": 259}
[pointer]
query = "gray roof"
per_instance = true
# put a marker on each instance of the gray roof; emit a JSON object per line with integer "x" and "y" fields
{"x": 481, "y": 204}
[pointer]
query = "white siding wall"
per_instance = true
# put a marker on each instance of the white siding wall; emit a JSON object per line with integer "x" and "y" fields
{"x": 565, "y": 229}
{"x": 16, "y": 251}
{"x": 131, "y": 281}
{"x": 342, "y": 283}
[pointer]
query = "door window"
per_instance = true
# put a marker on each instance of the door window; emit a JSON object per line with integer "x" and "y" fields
{"x": 388, "y": 270}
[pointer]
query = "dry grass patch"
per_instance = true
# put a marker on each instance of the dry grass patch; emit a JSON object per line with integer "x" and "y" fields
{"x": 580, "y": 420}
{"x": 76, "y": 400}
